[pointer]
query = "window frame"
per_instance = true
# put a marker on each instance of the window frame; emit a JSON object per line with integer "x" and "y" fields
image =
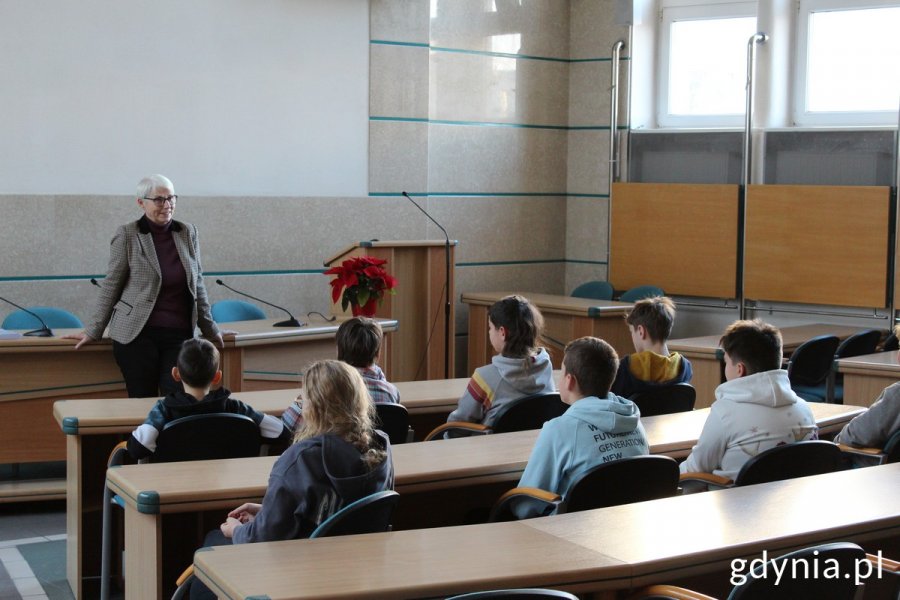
{"x": 800, "y": 116}
{"x": 670, "y": 11}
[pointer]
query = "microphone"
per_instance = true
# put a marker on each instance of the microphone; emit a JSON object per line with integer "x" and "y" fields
{"x": 292, "y": 322}
{"x": 447, "y": 340}
{"x": 94, "y": 282}
{"x": 44, "y": 331}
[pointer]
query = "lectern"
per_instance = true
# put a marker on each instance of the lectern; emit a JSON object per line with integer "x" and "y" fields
{"x": 418, "y": 347}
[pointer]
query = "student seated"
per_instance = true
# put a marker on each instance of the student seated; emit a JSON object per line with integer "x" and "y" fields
{"x": 598, "y": 427}
{"x": 755, "y": 409}
{"x": 873, "y": 428}
{"x": 197, "y": 368}
{"x": 652, "y": 365}
{"x": 518, "y": 369}
{"x": 358, "y": 344}
{"x": 337, "y": 458}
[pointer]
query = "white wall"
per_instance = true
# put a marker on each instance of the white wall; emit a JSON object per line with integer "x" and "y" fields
{"x": 226, "y": 97}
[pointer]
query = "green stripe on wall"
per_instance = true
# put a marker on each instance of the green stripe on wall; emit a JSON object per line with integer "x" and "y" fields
{"x": 486, "y": 194}
{"x": 493, "y": 54}
{"x": 491, "y": 124}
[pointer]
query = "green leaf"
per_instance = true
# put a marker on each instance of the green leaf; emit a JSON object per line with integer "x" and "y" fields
{"x": 362, "y": 296}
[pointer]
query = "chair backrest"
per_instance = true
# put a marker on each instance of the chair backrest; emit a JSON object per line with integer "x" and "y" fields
{"x": 623, "y": 481}
{"x": 811, "y": 362}
{"x": 640, "y": 292}
{"x": 225, "y": 311}
{"x": 207, "y": 437}
{"x": 891, "y": 343}
{"x": 53, "y": 317}
{"x": 594, "y": 290}
{"x": 523, "y": 594}
{"x": 787, "y": 461}
{"x": 393, "y": 419}
{"x": 892, "y": 448}
{"x": 529, "y": 412}
{"x": 798, "y": 579}
{"x": 665, "y": 399}
{"x": 864, "y": 342}
{"x": 371, "y": 514}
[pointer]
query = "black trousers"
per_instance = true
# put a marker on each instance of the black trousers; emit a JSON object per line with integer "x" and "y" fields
{"x": 146, "y": 362}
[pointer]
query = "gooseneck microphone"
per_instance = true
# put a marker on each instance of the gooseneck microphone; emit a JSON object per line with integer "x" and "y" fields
{"x": 292, "y": 322}
{"x": 44, "y": 331}
{"x": 447, "y": 304}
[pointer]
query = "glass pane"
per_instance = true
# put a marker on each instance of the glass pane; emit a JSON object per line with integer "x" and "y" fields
{"x": 708, "y": 65}
{"x": 853, "y": 58}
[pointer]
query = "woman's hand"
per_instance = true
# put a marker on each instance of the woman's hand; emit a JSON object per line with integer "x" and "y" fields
{"x": 218, "y": 341}
{"x": 229, "y": 526}
{"x": 82, "y": 337}
{"x": 245, "y": 512}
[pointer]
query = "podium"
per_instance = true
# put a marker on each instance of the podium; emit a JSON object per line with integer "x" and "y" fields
{"x": 419, "y": 345}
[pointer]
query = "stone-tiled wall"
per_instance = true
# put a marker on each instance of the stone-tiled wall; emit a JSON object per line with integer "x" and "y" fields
{"x": 493, "y": 114}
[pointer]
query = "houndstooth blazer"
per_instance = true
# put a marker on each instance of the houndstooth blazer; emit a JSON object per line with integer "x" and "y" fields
{"x": 133, "y": 280}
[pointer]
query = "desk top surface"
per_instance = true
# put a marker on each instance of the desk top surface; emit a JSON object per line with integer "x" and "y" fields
{"x": 244, "y": 333}
{"x": 83, "y": 417}
{"x": 878, "y": 363}
{"x": 555, "y": 304}
{"x": 436, "y": 463}
{"x": 791, "y": 338}
{"x": 605, "y": 547}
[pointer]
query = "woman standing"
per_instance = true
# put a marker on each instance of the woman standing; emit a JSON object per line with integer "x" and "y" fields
{"x": 153, "y": 297}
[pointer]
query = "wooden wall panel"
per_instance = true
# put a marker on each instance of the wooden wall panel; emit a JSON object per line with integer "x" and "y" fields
{"x": 680, "y": 237}
{"x": 817, "y": 244}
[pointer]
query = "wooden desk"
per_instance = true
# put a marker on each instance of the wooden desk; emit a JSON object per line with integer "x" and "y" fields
{"x": 599, "y": 551}
{"x": 565, "y": 319}
{"x": 706, "y": 357}
{"x": 38, "y": 371}
{"x": 865, "y": 376}
{"x": 438, "y": 482}
{"x": 93, "y": 427}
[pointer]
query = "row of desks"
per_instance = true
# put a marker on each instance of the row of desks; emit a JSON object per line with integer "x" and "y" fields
{"x": 439, "y": 482}
{"x": 598, "y": 551}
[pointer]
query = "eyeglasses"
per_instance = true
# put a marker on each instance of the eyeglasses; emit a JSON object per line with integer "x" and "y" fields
{"x": 161, "y": 200}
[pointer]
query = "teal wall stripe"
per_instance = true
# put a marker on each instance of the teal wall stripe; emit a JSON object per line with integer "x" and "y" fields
{"x": 492, "y": 54}
{"x": 505, "y": 263}
{"x": 487, "y": 194}
{"x": 50, "y": 277}
{"x": 490, "y": 124}
{"x": 207, "y": 274}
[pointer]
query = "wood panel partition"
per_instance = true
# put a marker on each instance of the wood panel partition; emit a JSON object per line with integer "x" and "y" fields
{"x": 680, "y": 237}
{"x": 823, "y": 245}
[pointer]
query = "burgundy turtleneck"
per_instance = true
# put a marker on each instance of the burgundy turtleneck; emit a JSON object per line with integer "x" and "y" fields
{"x": 173, "y": 304}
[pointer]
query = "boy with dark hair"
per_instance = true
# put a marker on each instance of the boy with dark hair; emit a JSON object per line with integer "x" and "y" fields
{"x": 598, "y": 427}
{"x": 198, "y": 369}
{"x": 755, "y": 409}
{"x": 652, "y": 365}
{"x": 358, "y": 344}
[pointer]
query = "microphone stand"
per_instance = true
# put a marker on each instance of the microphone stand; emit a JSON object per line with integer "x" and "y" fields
{"x": 44, "y": 331}
{"x": 292, "y": 322}
{"x": 447, "y": 305}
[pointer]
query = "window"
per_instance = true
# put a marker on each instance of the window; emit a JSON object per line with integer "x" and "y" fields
{"x": 703, "y": 63}
{"x": 848, "y": 58}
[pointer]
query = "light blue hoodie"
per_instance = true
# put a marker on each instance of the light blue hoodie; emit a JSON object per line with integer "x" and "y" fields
{"x": 591, "y": 432}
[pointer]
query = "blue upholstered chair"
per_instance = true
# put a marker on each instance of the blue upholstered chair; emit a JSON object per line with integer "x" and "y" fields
{"x": 640, "y": 292}
{"x": 594, "y": 290}
{"x": 225, "y": 311}
{"x": 810, "y": 367}
{"x": 53, "y": 317}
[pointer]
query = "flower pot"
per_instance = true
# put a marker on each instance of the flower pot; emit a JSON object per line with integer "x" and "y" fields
{"x": 365, "y": 310}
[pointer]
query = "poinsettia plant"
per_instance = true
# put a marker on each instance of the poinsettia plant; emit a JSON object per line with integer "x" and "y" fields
{"x": 361, "y": 284}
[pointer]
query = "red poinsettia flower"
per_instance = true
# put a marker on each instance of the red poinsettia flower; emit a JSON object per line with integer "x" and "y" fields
{"x": 361, "y": 282}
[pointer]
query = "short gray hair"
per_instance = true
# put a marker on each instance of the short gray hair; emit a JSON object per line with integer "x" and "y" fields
{"x": 148, "y": 184}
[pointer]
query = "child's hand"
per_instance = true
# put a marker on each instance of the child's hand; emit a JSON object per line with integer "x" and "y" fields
{"x": 245, "y": 512}
{"x": 229, "y": 526}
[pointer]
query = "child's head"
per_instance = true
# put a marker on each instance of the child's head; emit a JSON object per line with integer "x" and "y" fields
{"x": 359, "y": 341}
{"x": 198, "y": 364}
{"x": 750, "y": 347}
{"x": 514, "y": 327}
{"x": 335, "y": 400}
{"x": 592, "y": 363}
{"x": 650, "y": 321}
